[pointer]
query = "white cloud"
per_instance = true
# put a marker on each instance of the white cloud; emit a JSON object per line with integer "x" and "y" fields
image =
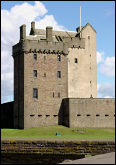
{"x": 98, "y": 86}
{"x": 10, "y": 23}
{"x": 107, "y": 97}
{"x": 106, "y": 90}
{"x": 100, "y": 57}
{"x": 49, "y": 20}
{"x": 108, "y": 67}
{"x": 28, "y": 11}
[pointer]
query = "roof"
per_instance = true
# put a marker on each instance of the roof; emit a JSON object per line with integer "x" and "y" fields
{"x": 40, "y": 34}
{"x": 86, "y": 26}
{"x": 55, "y": 32}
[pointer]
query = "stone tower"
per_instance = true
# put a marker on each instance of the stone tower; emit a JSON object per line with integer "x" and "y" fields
{"x": 51, "y": 65}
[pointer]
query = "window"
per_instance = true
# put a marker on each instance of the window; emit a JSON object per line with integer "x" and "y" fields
{"x": 59, "y": 59}
{"x": 59, "y": 74}
{"x": 32, "y": 115}
{"x": 106, "y": 115}
{"x": 44, "y": 74}
{"x": 44, "y": 58}
{"x": 59, "y": 95}
{"x": 35, "y": 73}
{"x": 53, "y": 94}
{"x": 78, "y": 114}
{"x": 88, "y": 115}
{"x": 55, "y": 115}
{"x": 35, "y": 56}
{"x": 97, "y": 115}
{"x": 75, "y": 60}
{"x": 47, "y": 115}
{"x": 39, "y": 115}
{"x": 35, "y": 91}
{"x": 89, "y": 37}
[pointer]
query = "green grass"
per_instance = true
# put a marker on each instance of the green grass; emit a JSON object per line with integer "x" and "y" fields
{"x": 66, "y": 133}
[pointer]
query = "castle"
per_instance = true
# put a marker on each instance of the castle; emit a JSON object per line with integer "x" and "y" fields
{"x": 55, "y": 80}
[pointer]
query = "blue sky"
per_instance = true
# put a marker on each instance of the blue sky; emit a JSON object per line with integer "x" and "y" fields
{"x": 61, "y": 15}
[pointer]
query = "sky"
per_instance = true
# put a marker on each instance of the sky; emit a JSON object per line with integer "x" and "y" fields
{"x": 61, "y": 15}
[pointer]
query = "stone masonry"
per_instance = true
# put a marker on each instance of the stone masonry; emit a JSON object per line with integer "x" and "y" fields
{"x": 50, "y": 66}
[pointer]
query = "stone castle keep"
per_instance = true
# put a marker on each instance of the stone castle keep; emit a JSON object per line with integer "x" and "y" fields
{"x": 55, "y": 80}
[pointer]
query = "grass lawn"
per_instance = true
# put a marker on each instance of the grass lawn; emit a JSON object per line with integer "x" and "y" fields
{"x": 66, "y": 133}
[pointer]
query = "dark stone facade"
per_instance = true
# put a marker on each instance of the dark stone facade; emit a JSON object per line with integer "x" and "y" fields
{"x": 7, "y": 115}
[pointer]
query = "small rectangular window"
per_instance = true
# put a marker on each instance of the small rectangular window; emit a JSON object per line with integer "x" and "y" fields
{"x": 78, "y": 114}
{"x": 89, "y": 37}
{"x": 59, "y": 74}
{"x": 59, "y": 95}
{"x": 55, "y": 115}
{"x": 44, "y": 58}
{"x": 53, "y": 94}
{"x": 39, "y": 115}
{"x": 44, "y": 74}
{"x": 106, "y": 115}
{"x": 59, "y": 59}
{"x": 35, "y": 93}
{"x": 35, "y": 73}
{"x": 47, "y": 115}
{"x": 75, "y": 60}
{"x": 32, "y": 115}
{"x": 35, "y": 56}
{"x": 88, "y": 115}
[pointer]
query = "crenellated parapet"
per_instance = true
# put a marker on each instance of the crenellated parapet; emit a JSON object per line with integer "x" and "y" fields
{"x": 75, "y": 42}
{"x": 29, "y": 46}
{"x": 47, "y": 41}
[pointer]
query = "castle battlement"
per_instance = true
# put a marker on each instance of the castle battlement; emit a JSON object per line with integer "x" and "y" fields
{"x": 47, "y": 41}
{"x": 37, "y": 46}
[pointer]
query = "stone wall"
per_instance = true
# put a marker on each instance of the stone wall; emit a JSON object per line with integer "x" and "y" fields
{"x": 7, "y": 115}
{"x": 82, "y": 74}
{"x": 35, "y": 158}
{"x": 90, "y": 112}
{"x": 18, "y": 113}
{"x": 46, "y": 108}
{"x": 79, "y": 147}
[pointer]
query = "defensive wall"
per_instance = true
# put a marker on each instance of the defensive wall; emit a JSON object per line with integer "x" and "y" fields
{"x": 89, "y": 112}
{"x": 79, "y": 112}
{"x": 7, "y": 115}
{"x": 27, "y": 151}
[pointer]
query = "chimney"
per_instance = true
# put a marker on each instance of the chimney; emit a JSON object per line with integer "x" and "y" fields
{"x": 49, "y": 33}
{"x": 32, "y": 31}
{"x": 33, "y": 25}
{"x": 22, "y": 32}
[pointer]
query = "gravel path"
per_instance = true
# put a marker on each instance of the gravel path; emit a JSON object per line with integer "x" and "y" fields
{"x": 108, "y": 158}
